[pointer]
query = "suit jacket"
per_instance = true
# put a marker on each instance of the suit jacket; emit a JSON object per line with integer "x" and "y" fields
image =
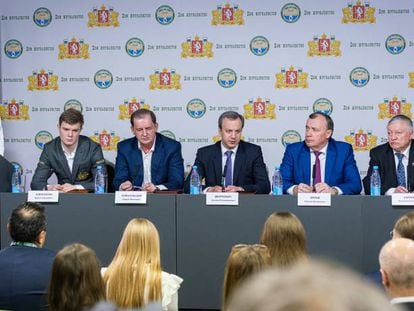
{"x": 167, "y": 166}
{"x": 249, "y": 169}
{"x": 408, "y": 306}
{"x": 25, "y": 273}
{"x": 340, "y": 167}
{"x": 52, "y": 160}
{"x": 6, "y": 171}
{"x": 383, "y": 157}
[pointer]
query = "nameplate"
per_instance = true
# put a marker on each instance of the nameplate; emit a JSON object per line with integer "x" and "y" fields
{"x": 43, "y": 196}
{"x": 130, "y": 197}
{"x": 314, "y": 199}
{"x": 222, "y": 198}
{"x": 402, "y": 199}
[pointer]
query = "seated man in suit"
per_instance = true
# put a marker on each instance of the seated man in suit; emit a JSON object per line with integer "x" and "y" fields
{"x": 320, "y": 163}
{"x": 396, "y": 260}
{"x": 71, "y": 156}
{"x": 25, "y": 266}
{"x": 231, "y": 164}
{"x": 149, "y": 161}
{"x": 395, "y": 159}
{"x": 6, "y": 171}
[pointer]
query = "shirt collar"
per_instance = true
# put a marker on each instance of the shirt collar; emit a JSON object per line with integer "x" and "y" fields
{"x": 402, "y": 299}
{"x": 405, "y": 152}
{"x": 28, "y": 244}
{"x": 65, "y": 151}
{"x": 224, "y": 149}
{"x": 323, "y": 150}
{"x": 152, "y": 148}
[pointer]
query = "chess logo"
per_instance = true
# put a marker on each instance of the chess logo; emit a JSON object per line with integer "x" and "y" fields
{"x": 361, "y": 141}
{"x": 108, "y": 141}
{"x": 103, "y": 17}
{"x": 291, "y": 78}
{"x": 324, "y": 46}
{"x": 227, "y": 78}
{"x": 73, "y": 49}
{"x": 42, "y": 81}
{"x": 73, "y": 103}
{"x": 359, "y": 77}
{"x": 14, "y": 110}
{"x": 227, "y": 15}
{"x": 395, "y": 44}
{"x": 103, "y": 79}
{"x": 134, "y": 47}
{"x": 290, "y": 13}
{"x": 358, "y": 13}
{"x": 197, "y": 47}
{"x": 196, "y": 108}
{"x": 13, "y": 49}
{"x": 164, "y": 15}
{"x": 42, "y": 138}
{"x": 42, "y": 17}
{"x": 290, "y": 137}
{"x": 165, "y": 80}
{"x": 128, "y": 107}
{"x": 259, "y": 46}
{"x": 390, "y": 108}
{"x": 323, "y": 105}
{"x": 259, "y": 109}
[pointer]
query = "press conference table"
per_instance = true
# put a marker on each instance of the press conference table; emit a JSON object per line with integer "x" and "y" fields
{"x": 196, "y": 239}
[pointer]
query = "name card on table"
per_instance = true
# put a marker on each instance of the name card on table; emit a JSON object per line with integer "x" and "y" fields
{"x": 314, "y": 199}
{"x": 402, "y": 199}
{"x": 43, "y": 196}
{"x": 222, "y": 198}
{"x": 130, "y": 197}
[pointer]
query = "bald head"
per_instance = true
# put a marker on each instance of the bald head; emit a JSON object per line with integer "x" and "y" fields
{"x": 397, "y": 266}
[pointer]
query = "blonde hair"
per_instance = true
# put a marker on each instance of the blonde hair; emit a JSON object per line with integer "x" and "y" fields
{"x": 285, "y": 236}
{"x": 404, "y": 226}
{"x": 244, "y": 260}
{"x": 133, "y": 278}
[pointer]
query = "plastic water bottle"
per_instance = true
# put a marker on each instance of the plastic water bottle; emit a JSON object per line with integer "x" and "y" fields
{"x": 16, "y": 179}
{"x": 277, "y": 182}
{"x": 99, "y": 180}
{"x": 375, "y": 182}
{"x": 195, "y": 183}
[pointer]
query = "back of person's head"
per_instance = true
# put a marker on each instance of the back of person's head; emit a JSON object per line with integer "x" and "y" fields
{"x": 284, "y": 235}
{"x": 136, "y": 266}
{"x": 243, "y": 261}
{"x": 313, "y": 286}
{"x": 71, "y": 116}
{"x": 27, "y": 223}
{"x": 76, "y": 280}
{"x": 404, "y": 226}
{"x": 396, "y": 260}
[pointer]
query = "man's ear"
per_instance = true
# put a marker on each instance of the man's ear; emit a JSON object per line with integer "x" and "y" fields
{"x": 41, "y": 238}
{"x": 384, "y": 277}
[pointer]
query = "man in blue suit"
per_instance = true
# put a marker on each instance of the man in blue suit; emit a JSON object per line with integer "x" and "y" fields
{"x": 149, "y": 161}
{"x": 25, "y": 266}
{"x": 320, "y": 163}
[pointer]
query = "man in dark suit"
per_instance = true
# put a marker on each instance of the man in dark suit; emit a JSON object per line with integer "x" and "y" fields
{"x": 231, "y": 164}
{"x": 396, "y": 260}
{"x": 387, "y": 158}
{"x": 25, "y": 266}
{"x": 6, "y": 171}
{"x": 149, "y": 161}
{"x": 71, "y": 156}
{"x": 320, "y": 163}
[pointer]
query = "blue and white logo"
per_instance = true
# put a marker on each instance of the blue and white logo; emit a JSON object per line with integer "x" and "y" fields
{"x": 359, "y": 76}
{"x": 134, "y": 47}
{"x": 103, "y": 79}
{"x": 196, "y": 108}
{"x": 42, "y": 17}
{"x": 395, "y": 44}
{"x": 227, "y": 78}
{"x": 259, "y": 46}
{"x": 290, "y": 13}
{"x": 164, "y": 15}
{"x": 13, "y": 49}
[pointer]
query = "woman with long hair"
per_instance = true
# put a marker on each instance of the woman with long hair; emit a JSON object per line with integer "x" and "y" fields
{"x": 285, "y": 236}
{"x": 134, "y": 277}
{"x": 404, "y": 227}
{"x": 243, "y": 261}
{"x": 76, "y": 283}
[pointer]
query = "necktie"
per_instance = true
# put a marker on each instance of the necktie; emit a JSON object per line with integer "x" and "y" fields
{"x": 317, "y": 168}
{"x": 229, "y": 169}
{"x": 400, "y": 170}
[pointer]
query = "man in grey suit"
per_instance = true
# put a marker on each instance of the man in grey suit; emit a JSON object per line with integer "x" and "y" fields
{"x": 71, "y": 156}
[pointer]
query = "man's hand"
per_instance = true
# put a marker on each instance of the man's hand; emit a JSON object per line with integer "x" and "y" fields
{"x": 233, "y": 189}
{"x": 66, "y": 187}
{"x": 53, "y": 187}
{"x": 324, "y": 188}
{"x": 126, "y": 186}
{"x": 215, "y": 189}
{"x": 149, "y": 187}
{"x": 302, "y": 188}
{"x": 400, "y": 189}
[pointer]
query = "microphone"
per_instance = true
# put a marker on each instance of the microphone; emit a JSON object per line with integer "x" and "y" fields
{"x": 313, "y": 175}
{"x": 223, "y": 176}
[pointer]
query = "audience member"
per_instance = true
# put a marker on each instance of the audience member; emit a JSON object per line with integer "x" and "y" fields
{"x": 312, "y": 287}
{"x": 76, "y": 283}
{"x": 285, "y": 236}
{"x": 404, "y": 227}
{"x": 244, "y": 260}
{"x": 134, "y": 277}
{"x": 24, "y": 265}
{"x": 6, "y": 171}
{"x": 397, "y": 271}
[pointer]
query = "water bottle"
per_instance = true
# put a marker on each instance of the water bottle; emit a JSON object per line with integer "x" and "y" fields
{"x": 16, "y": 179}
{"x": 375, "y": 182}
{"x": 99, "y": 180}
{"x": 277, "y": 182}
{"x": 195, "y": 183}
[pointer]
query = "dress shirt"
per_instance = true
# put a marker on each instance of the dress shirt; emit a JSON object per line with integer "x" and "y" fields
{"x": 146, "y": 161}
{"x": 70, "y": 157}
{"x": 406, "y": 154}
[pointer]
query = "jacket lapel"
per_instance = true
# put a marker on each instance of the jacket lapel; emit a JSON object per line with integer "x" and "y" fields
{"x": 305, "y": 163}
{"x": 137, "y": 167}
{"x": 330, "y": 161}
{"x": 156, "y": 160}
{"x": 240, "y": 159}
{"x": 64, "y": 162}
{"x": 217, "y": 163}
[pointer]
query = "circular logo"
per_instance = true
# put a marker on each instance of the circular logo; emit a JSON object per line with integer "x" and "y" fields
{"x": 227, "y": 78}
{"x": 73, "y": 103}
{"x": 134, "y": 47}
{"x": 164, "y": 15}
{"x": 359, "y": 76}
{"x": 323, "y": 105}
{"x": 395, "y": 44}
{"x": 13, "y": 49}
{"x": 196, "y": 108}
{"x": 290, "y": 137}
{"x": 290, "y": 13}
{"x": 42, "y": 138}
{"x": 168, "y": 134}
{"x": 103, "y": 79}
{"x": 42, "y": 17}
{"x": 259, "y": 46}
